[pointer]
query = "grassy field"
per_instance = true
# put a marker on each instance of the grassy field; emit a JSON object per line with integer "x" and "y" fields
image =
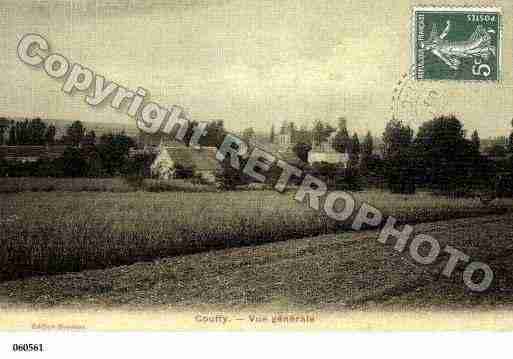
{"x": 119, "y": 185}
{"x": 52, "y": 232}
{"x": 349, "y": 270}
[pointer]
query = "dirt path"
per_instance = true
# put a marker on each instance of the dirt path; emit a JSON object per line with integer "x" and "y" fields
{"x": 347, "y": 270}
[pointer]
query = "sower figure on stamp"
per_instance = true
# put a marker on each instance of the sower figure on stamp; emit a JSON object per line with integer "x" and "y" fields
{"x": 452, "y": 52}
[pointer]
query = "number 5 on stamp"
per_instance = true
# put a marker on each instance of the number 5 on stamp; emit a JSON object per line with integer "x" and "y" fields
{"x": 457, "y": 43}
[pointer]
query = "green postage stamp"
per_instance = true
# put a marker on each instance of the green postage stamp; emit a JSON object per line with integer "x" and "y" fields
{"x": 457, "y": 43}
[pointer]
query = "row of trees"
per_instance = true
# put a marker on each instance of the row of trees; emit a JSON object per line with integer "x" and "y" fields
{"x": 304, "y": 139}
{"x": 27, "y": 132}
{"x": 439, "y": 157}
{"x": 84, "y": 155}
{"x": 39, "y": 133}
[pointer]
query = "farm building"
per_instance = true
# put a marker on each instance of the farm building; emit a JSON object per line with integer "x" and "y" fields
{"x": 201, "y": 160}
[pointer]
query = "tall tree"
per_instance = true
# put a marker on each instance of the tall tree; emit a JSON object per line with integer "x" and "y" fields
{"x": 89, "y": 138}
{"x": 476, "y": 141}
{"x": 4, "y": 126}
{"x": 12, "y": 134}
{"x": 75, "y": 133}
{"x": 36, "y": 132}
{"x": 399, "y": 169}
{"x": 92, "y": 136}
{"x": 215, "y": 134}
{"x": 496, "y": 150}
{"x": 272, "y": 135}
{"x": 20, "y": 129}
{"x": 292, "y": 132}
{"x": 301, "y": 150}
{"x": 396, "y": 138}
{"x": 318, "y": 132}
{"x": 367, "y": 150}
{"x": 328, "y": 130}
{"x": 510, "y": 142}
{"x": 355, "y": 145}
{"x": 303, "y": 135}
{"x": 113, "y": 150}
{"x": 354, "y": 150}
{"x": 446, "y": 157}
{"x": 367, "y": 145}
{"x": 342, "y": 142}
{"x": 50, "y": 134}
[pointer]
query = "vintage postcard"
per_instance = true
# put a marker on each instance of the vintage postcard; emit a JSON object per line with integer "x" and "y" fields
{"x": 283, "y": 165}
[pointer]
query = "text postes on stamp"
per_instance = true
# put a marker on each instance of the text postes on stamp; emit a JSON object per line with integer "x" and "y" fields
{"x": 457, "y": 43}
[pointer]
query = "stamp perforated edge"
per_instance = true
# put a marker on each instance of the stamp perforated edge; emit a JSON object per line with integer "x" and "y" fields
{"x": 413, "y": 30}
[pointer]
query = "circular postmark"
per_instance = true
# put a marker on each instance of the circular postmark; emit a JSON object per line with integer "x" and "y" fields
{"x": 413, "y": 102}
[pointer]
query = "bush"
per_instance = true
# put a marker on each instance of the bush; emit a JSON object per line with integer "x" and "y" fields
{"x": 348, "y": 179}
{"x": 183, "y": 172}
{"x": 74, "y": 165}
{"x": 135, "y": 181}
{"x": 400, "y": 173}
{"x": 228, "y": 178}
{"x": 336, "y": 176}
{"x": 504, "y": 185}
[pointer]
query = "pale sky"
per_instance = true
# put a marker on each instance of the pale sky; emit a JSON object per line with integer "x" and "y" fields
{"x": 251, "y": 63}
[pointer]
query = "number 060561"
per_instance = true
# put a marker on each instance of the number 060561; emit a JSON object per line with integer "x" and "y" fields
{"x": 27, "y": 347}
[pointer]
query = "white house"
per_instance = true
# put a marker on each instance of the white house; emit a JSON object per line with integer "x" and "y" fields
{"x": 201, "y": 160}
{"x": 324, "y": 152}
{"x": 163, "y": 166}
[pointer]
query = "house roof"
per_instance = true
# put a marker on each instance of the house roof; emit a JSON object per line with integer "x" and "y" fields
{"x": 202, "y": 159}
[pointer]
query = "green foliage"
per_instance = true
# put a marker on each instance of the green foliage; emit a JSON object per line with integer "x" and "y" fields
{"x": 496, "y": 150}
{"x": 303, "y": 135}
{"x": 321, "y": 131}
{"x": 400, "y": 172}
{"x": 59, "y": 232}
{"x": 293, "y": 132}
{"x": 184, "y": 172}
{"x": 301, "y": 151}
{"x": 113, "y": 151}
{"x": 510, "y": 140}
{"x": 399, "y": 158}
{"x": 11, "y": 141}
{"x": 75, "y": 133}
{"x": 445, "y": 156}
{"x": 4, "y": 126}
{"x": 27, "y": 132}
{"x": 367, "y": 145}
{"x": 336, "y": 176}
{"x": 50, "y": 135}
{"x": 355, "y": 148}
{"x": 342, "y": 142}
{"x": 396, "y": 138}
{"x": 476, "y": 141}
{"x": 215, "y": 133}
{"x": 227, "y": 177}
{"x": 134, "y": 180}
{"x": 74, "y": 164}
{"x": 367, "y": 153}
